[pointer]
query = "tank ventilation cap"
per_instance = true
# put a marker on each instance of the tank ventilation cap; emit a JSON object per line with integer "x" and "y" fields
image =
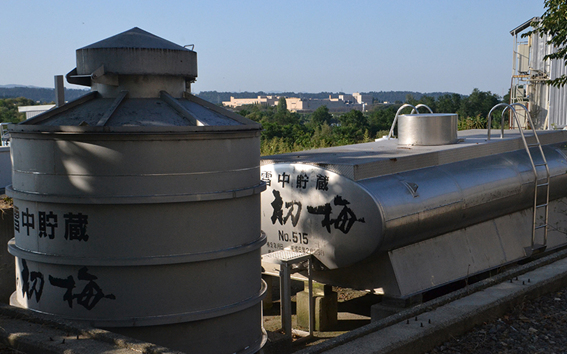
{"x": 428, "y": 129}
{"x": 134, "y": 52}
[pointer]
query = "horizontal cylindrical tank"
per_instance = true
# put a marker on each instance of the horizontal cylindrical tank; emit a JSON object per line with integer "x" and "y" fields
{"x": 312, "y": 209}
{"x": 427, "y": 129}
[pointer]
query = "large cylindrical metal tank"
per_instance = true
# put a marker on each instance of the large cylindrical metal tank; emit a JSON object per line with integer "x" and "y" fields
{"x": 315, "y": 208}
{"x": 137, "y": 207}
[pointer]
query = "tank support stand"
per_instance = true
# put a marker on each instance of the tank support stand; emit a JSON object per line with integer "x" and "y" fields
{"x": 286, "y": 260}
{"x": 325, "y": 314}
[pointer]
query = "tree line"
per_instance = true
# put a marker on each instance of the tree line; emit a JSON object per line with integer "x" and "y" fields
{"x": 286, "y": 131}
{"x": 378, "y": 96}
{"x": 39, "y": 94}
{"x": 9, "y": 109}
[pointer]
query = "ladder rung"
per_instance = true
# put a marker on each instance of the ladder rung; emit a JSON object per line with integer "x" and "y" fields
{"x": 546, "y": 184}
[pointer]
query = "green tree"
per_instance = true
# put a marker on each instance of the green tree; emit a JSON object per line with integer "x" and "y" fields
{"x": 282, "y": 105}
{"x": 381, "y": 119}
{"x": 478, "y": 103}
{"x": 411, "y": 100}
{"x": 449, "y": 103}
{"x": 354, "y": 119}
{"x": 322, "y": 136}
{"x": 429, "y": 102}
{"x": 320, "y": 116}
{"x": 352, "y": 128}
{"x": 9, "y": 109}
{"x": 284, "y": 117}
{"x": 554, "y": 23}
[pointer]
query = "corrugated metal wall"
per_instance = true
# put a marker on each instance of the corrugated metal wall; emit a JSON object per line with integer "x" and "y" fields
{"x": 557, "y": 97}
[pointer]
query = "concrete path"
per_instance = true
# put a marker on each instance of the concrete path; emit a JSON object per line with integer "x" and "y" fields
{"x": 421, "y": 328}
{"x": 34, "y": 333}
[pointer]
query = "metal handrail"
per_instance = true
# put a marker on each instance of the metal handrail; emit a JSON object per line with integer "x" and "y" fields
{"x": 489, "y": 119}
{"x": 414, "y": 110}
{"x": 502, "y": 117}
{"x": 534, "y": 168}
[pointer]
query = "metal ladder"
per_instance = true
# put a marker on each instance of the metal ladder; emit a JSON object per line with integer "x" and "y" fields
{"x": 535, "y": 247}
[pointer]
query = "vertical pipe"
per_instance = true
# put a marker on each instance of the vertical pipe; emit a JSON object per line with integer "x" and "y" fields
{"x": 59, "y": 90}
{"x": 285, "y": 298}
{"x": 311, "y": 299}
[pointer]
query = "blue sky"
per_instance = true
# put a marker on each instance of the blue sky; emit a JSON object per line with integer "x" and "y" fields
{"x": 301, "y": 46}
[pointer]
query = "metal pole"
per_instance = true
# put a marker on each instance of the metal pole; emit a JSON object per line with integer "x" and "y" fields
{"x": 311, "y": 300}
{"x": 285, "y": 298}
{"x": 59, "y": 90}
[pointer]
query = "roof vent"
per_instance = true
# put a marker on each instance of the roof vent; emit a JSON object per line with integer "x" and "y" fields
{"x": 136, "y": 61}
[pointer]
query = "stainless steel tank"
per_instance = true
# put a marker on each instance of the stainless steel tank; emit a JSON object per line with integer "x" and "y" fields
{"x": 348, "y": 204}
{"x": 137, "y": 206}
{"x": 427, "y": 129}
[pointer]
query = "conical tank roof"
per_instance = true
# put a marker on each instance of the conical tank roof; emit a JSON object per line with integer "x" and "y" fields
{"x": 137, "y": 52}
{"x": 135, "y": 38}
{"x": 144, "y": 72}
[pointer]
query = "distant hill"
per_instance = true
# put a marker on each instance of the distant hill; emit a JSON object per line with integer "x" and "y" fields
{"x": 38, "y": 94}
{"x": 14, "y": 85}
{"x": 381, "y": 96}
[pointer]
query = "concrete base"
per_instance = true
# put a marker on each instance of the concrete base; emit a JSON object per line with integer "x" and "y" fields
{"x": 379, "y": 311}
{"x": 391, "y": 305}
{"x": 452, "y": 315}
{"x": 36, "y": 333}
{"x": 7, "y": 263}
{"x": 326, "y": 307}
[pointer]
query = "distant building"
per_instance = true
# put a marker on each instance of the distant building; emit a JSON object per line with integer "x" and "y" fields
{"x": 260, "y": 100}
{"x": 545, "y": 103}
{"x": 306, "y": 105}
{"x": 32, "y": 111}
{"x": 368, "y": 99}
{"x": 344, "y": 103}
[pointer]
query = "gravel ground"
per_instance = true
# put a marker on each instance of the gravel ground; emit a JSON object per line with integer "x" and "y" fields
{"x": 7, "y": 350}
{"x": 536, "y": 326}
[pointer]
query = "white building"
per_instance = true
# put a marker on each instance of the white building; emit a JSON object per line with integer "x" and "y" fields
{"x": 547, "y": 104}
{"x": 344, "y": 103}
{"x": 32, "y": 111}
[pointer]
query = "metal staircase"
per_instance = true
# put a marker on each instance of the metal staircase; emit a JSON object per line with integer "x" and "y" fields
{"x": 544, "y": 184}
